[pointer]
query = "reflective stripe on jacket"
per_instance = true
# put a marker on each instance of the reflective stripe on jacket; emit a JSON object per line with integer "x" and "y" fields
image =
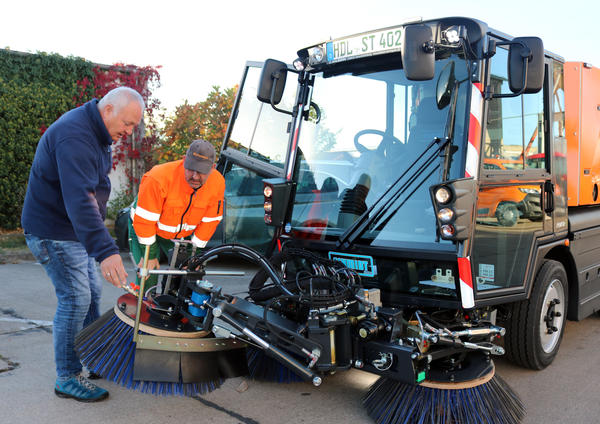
{"x": 167, "y": 206}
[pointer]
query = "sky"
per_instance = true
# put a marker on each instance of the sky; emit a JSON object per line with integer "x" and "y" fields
{"x": 200, "y": 44}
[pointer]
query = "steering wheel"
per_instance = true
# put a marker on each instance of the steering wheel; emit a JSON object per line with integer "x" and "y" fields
{"x": 385, "y": 140}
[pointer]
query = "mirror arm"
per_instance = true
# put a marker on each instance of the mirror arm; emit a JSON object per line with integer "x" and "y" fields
{"x": 275, "y": 76}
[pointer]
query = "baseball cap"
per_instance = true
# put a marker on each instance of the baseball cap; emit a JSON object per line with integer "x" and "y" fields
{"x": 200, "y": 157}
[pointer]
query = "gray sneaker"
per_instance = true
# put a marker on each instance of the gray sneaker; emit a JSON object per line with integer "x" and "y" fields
{"x": 80, "y": 389}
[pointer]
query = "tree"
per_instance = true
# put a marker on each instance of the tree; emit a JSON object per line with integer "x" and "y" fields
{"x": 137, "y": 151}
{"x": 207, "y": 120}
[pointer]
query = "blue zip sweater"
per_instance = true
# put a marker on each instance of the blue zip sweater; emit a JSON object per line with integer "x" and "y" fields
{"x": 68, "y": 184}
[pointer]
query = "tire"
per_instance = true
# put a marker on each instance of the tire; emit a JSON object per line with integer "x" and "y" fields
{"x": 530, "y": 341}
{"x": 122, "y": 229}
{"x": 507, "y": 214}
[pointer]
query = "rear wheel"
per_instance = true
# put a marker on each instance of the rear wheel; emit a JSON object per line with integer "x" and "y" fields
{"x": 536, "y": 325}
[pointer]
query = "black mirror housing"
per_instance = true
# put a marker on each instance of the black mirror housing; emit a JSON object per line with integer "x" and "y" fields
{"x": 418, "y": 54}
{"x": 534, "y": 63}
{"x": 272, "y": 81}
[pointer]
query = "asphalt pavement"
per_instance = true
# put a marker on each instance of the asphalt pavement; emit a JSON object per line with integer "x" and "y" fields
{"x": 566, "y": 392}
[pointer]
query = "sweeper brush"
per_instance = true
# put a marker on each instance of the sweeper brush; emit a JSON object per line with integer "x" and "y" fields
{"x": 304, "y": 317}
{"x": 106, "y": 347}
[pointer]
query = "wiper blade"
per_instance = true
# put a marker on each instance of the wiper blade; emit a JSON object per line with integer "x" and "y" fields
{"x": 377, "y": 210}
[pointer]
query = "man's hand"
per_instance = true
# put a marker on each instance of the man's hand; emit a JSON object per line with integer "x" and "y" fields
{"x": 152, "y": 264}
{"x": 113, "y": 270}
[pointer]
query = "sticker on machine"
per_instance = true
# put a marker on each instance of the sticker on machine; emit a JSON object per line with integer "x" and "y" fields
{"x": 486, "y": 277}
{"x": 362, "y": 264}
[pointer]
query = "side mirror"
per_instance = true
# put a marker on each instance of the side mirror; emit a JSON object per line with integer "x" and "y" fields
{"x": 526, "y": 65}
{"x": 418, "y": 53}
{"x": 445, "y": 85}
{"x": 272, "y": 81}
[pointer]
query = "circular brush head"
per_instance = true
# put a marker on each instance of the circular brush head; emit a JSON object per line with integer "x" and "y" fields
{"x": 487, "y": 399}
{"x": 106, "y": 348}
{"x": 262, "y": 367}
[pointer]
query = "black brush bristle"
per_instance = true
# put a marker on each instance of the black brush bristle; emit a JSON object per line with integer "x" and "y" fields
{"x": 106, "y": 348}
{"x": 262, "y": 367}
{"x": 392, "y": 402}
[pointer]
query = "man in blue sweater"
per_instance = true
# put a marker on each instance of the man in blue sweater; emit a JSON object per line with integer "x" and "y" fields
{"x": 63, "y": 220}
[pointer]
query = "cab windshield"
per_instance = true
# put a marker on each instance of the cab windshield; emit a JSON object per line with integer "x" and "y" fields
{"x": 363, "y": 133}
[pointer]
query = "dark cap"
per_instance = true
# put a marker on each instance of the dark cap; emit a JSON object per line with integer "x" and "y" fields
{"x": 200, "y": 157}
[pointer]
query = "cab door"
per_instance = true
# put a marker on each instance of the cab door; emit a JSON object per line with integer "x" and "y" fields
{"x": 255, "y": 147}
{"x": 515, "y": 204}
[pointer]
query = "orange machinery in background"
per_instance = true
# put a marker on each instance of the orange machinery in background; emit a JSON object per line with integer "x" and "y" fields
{"x": 582, "y": 116}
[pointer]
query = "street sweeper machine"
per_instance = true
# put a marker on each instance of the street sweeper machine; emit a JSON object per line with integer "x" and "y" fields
{"x": 410, "y": 195}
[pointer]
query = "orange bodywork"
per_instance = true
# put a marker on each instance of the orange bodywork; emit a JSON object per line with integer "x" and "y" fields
{"x": 582, "y": 124}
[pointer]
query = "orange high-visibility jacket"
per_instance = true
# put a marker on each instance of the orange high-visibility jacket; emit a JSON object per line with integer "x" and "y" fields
{"x": 167, "y": 206}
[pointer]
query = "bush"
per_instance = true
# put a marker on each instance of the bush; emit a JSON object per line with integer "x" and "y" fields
{"x": 122, "y": 199}
{"x": 34, "y": 91}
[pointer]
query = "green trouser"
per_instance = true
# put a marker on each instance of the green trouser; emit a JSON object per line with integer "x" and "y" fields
{"x": 137, "y": 249}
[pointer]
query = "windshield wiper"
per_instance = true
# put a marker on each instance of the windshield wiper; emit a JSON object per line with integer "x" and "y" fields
{"x": 378, "y": 209}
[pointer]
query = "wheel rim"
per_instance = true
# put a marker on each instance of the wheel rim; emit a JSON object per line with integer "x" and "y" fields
{"x": 552, "y": 316}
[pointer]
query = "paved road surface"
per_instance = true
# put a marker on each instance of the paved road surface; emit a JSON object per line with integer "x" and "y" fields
{"x": 566, "y": 392}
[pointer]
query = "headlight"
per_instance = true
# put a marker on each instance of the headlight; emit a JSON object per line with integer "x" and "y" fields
{"x": 268, "y": 207}
{"x": 452, "y": 35}
{"x": 299, "y": 64}
{"x": 447, "y": 230}
{"x": 445, "y": 215}
{"x": 317, "y": 55}
{"x": 443, "y": 195}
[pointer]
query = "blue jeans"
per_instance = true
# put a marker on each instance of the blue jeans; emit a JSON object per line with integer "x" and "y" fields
{"x": 78, "y": 291}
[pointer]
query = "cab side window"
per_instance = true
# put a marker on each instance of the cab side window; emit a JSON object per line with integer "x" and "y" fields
{"x": 515, "y": 132}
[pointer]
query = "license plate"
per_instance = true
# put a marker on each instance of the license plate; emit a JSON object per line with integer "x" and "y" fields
{"x": 366, "y": 44}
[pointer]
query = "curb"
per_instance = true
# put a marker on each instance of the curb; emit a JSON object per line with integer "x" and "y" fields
{"x": 15, "y": 256}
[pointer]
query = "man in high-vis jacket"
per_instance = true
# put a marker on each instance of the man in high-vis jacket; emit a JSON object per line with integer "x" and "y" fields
{"x": 175, "y": 200}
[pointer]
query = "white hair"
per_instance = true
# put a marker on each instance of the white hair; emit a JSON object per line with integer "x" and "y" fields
{"x": 119, "y": 98}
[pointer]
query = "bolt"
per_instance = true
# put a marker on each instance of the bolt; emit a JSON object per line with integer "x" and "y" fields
{"x": 557, "y": 314}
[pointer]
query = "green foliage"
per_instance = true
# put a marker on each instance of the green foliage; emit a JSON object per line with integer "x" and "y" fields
{"x": 34, "y": 91}
{"x": 120, "y": 200}
{"x": 207, "y": 120}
